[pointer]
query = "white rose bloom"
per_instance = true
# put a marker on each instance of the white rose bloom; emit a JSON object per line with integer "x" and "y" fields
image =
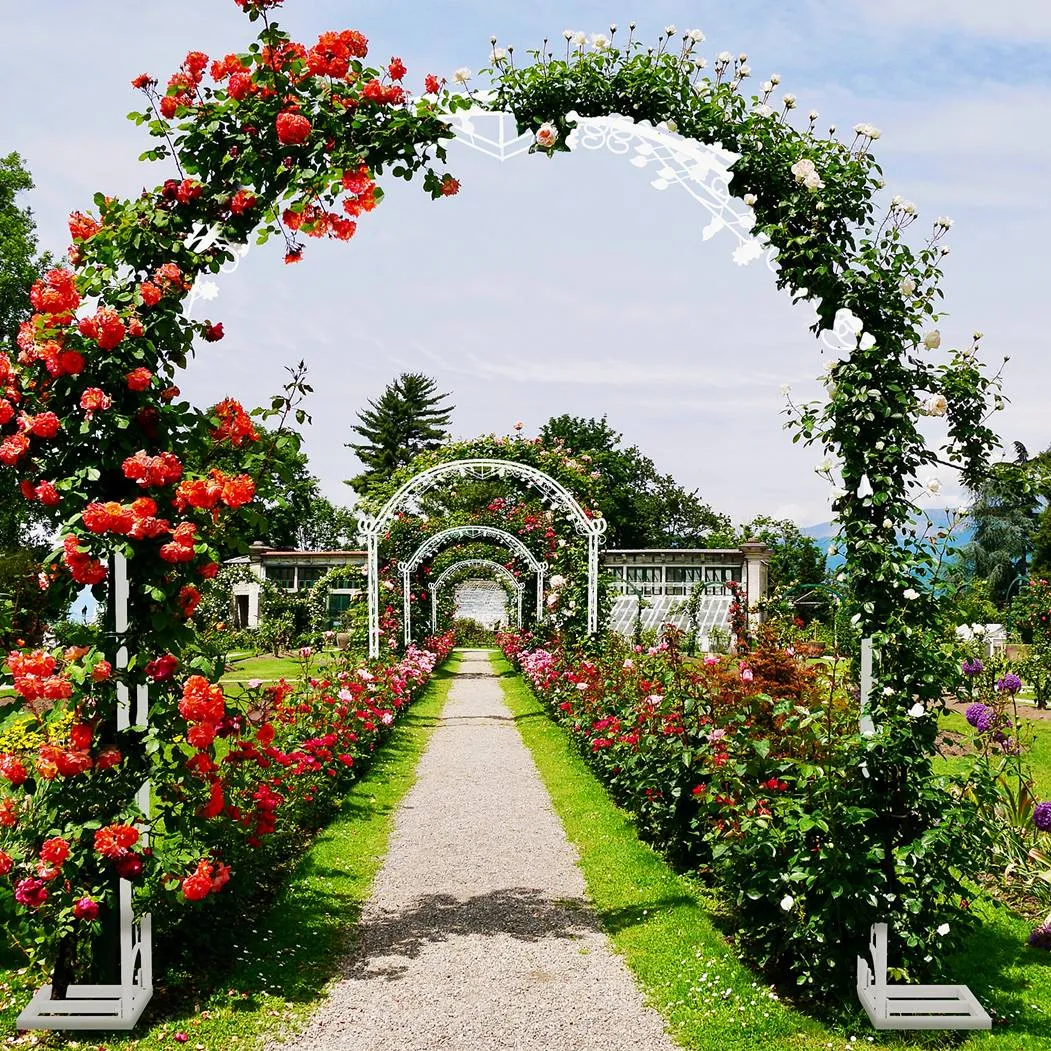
{"x": 937, "y": 405}
{"x": 670, "y": 30}
{"x": 744, "y": 71}
{"x": 910, "y": 594}
{"x": 725, "y": 57}
{"x": 933, "y": 486}
{"x": 825, "y": 466}
{"x": 787, "y": 902}
{"x": 909, "y": 208}
{"x": 813, "y": 181}
{"x": 943, "y": 222}
{"x": 784, "y": 390}
{"x": 978, "y": 629}
{"x": 546, "y": 136}
{"x": 700, "y": 63}
{"x": 568, "y": 34}
{"x": 557, "y": 581}
{"x": 775, "y": 78}
{"x": 813, "y": 114}
{"x": 790, "y": 101}
{"x": 933, "y": 339}
{"x": 864, "y": 487}
{"x": 964, "y": 633}
{"x": 866, "y": 341}
{"x": 766, "y": 87}
{"x": 743, "y": 56}
{"x": 462, "y": 75}
{"x": 943, "y": 929}
{"x": 599, "y": 41}
{"x": 897, "y": 201}
{"x": 849, "y": 320}
{"x": 580, "y": 39}
{"x": 695, "y": 35}
{"x": 750, "y": 199}
{"x": 763, "y": 110}
{"x": 907, "y": 286}
{"x": 917, "y": 711}
{"x": 802, "y": 169}
{"x": 498, "y": 54}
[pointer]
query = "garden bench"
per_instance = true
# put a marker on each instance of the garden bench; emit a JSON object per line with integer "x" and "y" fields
{"x": 913, "y": 1006}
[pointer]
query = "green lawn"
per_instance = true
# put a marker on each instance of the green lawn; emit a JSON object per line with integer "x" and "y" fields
{"x": 290, "y": 952}
{"x": 667, "y": 927}
{"x": 1039, "y": 757}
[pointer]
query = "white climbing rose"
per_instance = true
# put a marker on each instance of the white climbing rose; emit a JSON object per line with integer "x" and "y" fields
{"x": 910, "y": 594}
{"x": 933, "y": 339}
{"x": 943, "y": 929}
{"x": 937, "y": 405}
{"x": 917, "y": 710}
{"x": 462, "y": 75}
{"x": 546, "y": 136}
{"x": 802, "y": 169}
{"x": 787, "y": 902}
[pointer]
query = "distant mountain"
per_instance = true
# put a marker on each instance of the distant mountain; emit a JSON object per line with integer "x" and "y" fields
{"x": 941, "y": 518}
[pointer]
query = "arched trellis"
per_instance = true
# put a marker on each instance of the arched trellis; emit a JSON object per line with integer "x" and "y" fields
{"x": 482, "y": 563}
{"x": 372, "y": 527}
{"x": 435, "y": 543}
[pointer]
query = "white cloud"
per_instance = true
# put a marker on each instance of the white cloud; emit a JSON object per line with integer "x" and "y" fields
{"x": 1009, "y": 20}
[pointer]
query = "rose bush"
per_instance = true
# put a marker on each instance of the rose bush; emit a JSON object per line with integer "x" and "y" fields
{"x": 750, "y": 770}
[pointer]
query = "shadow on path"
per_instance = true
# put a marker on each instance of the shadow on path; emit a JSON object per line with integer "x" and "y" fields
{"x": 521, "y": 912}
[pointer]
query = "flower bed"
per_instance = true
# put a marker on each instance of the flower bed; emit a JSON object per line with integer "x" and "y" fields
{"x": 260, "y": 773}
{"x": 750, "y": 769}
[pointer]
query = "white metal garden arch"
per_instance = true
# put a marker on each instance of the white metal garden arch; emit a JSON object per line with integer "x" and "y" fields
{"x": 372, "y": 527}
{"x": 448, "y": 536}
{"x": 479, "y": 563}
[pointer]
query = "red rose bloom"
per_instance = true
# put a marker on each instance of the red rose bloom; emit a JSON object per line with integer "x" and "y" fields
{"x": 55, "y": 851}
{"x": 292, "y": 128}
{"x": 115, "y": 841}
{"x": 31, "y": 893}
{"x": 86, "y": 909}
{"x": 396, "y": 69}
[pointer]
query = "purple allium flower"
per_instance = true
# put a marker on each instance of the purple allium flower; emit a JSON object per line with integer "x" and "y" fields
{"x": 978, "y": 711}
{"x": 1042, "y": 816}
{"x": 1041, "y": 937}
{"x": 973, "y": 666}
{"x": 1010, "y": 683}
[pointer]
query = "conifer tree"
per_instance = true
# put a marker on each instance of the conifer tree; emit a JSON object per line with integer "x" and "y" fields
{"x": 407, "y": 419}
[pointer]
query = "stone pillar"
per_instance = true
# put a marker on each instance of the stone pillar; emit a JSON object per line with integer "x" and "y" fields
{"x": 755, "y": 575}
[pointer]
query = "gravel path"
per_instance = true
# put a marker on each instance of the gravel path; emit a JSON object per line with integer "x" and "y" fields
{"x": 478, "y": 934}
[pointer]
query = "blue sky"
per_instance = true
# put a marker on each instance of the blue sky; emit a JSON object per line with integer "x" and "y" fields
{"x": 569, "y": 285}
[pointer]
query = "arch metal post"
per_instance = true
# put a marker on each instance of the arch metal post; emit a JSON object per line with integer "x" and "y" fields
{"x": 89, "y": 1007}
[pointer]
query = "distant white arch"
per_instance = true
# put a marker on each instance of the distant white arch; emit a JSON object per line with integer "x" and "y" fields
{"x": 435, "y": 543}
{"x": 372, "y": 527}
{"x": 480, "y": 563}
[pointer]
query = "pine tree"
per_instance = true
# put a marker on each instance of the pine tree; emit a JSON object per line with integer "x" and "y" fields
{"x": 407, "y": 419}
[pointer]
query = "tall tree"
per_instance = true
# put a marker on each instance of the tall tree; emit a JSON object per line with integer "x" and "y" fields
{"x": 407, "y": 419}
{"x": 1007, "y": 516}
{"x": 23, "y": 526}
{"x": 643, "y": 507}
{"x": 795, "y": 559}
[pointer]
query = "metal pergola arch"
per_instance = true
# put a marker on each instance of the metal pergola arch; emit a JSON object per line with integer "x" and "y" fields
{"x": 487, "y": 563}
{"x": 467, "y": 532}
{"x": 372, "y": 527}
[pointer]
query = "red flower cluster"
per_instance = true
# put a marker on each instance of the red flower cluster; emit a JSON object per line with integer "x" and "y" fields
{"x": 115, "y": 841}
{"x": 82, "y": 227}
{"x": 205, "y": 494}
{"x": 106, "y": 328}
{"x": 181, "y": 547}
{"x": 203, "y": 707}
{"x": 242, "y": 201}
{"x": 332, "y": 54}
{"x": 383, "y": 94}
{"x": 208, "y": 878}
{"x": 139, "y": 379}
{"x": 150, "y": 471}
{"x": 235, "y": 425}
{"x": 95, "y": 400}
{"x": 55, "y": 295}
{"x": 161, "y": 668}
{"x": 45, "y": 492}
{"x": 292, "y": 129}
{"x": 82, "y": 567}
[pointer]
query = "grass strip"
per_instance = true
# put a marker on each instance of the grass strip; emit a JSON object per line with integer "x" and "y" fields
{"x": 293, "y": 950}
{"x": 666, "y": 927}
